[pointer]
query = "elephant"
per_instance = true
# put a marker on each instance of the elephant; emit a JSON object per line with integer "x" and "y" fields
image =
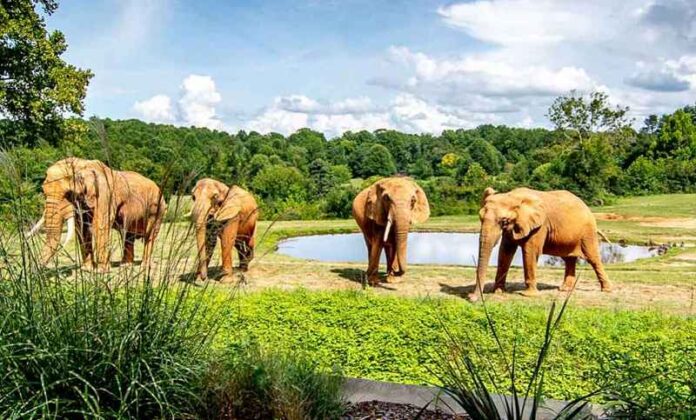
{"x": 554, "y": 223}
{"x": 396, "y": 201}
{"x": 229, "y": 213}
{"x": 97, "y": 198}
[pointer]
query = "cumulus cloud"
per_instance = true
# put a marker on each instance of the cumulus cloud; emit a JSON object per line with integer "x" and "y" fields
{"x": 488, "y": 76}
{"x": 666, "y": 75}
{"x": 196, "y": 105}
{"x": 290, "y": 113}
{"x": 405, "y": 112}
{"x": 156, "y": 109}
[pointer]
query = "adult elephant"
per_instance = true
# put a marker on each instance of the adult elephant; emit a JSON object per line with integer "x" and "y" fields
{"x": 228, "y": 213}
{"x": 397, "y": 202}
{"x": 96, "y": 198}
{"x": 554, "y": 223}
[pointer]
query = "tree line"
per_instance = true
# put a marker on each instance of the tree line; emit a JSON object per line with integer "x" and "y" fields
{"x": 593, "y": 151}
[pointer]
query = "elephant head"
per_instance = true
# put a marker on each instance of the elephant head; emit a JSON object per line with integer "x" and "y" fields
{"x": 212, "y": 202}
{"x": 397, "y": 202}
{"x": 515, "y": 214}
{"x": 72, "y": 184}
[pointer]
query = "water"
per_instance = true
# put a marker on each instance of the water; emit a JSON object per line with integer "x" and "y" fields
{"x": 432, "y": 248}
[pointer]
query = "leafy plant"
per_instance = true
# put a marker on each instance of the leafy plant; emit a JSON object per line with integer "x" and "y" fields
{"x": 472, "y": 382}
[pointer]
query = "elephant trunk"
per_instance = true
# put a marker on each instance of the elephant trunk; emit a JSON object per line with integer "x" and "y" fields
{"x": 56, "y": 213}
{"x": 488, "y": 238}
{"x": 199, "y": 217}
{"x": 402, "y": 224}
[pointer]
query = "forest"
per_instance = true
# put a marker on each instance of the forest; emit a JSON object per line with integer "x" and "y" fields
{"x": 593, "y": 150}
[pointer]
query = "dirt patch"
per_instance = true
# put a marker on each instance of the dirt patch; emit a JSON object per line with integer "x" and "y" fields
{"x": 650, "y": 221}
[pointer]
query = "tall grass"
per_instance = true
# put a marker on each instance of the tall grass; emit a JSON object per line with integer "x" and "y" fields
{"x": 253, "y": 382}
{"x": 78, "y": 344}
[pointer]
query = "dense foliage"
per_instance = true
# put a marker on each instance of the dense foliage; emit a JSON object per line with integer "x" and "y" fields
{"x": 37, "y": 87}
{"x": 593, "y": 152}
{"x": 646, "y": 356}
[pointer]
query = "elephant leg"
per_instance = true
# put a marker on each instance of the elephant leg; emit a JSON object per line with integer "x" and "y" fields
{"x": 590, "y": 248}
{"x": 392, "y": 263}
{"x": 569, "y": 280}
{"x": 228, "y": 236}
{"x": 151, "y": 234}
{"x": 530, "y": 257}
{"x": 128, "y": 248}
{"x": 373, "y": 262}
{"x": 505, "y": 255}
{"x": 245, "y": 251}
{"x": 101, "y": 227}
{"x": 84, "y": 238}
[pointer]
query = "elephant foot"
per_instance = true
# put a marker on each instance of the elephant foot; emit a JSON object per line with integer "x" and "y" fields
{"x": 499, "y": 290}
{"x": 474, "y": 297}
{"x": 393, "y": 278}
{"x": 237, "y": 278}
{"x": 530, "y": 291}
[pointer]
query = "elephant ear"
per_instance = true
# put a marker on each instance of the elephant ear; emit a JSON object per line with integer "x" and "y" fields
{"x": 421, "y": 210}
{"x": 530, "y": 216}
{"x": 373, "y": 206}
{"x": 487, "y": 193}
{"x": 229, "y": 210}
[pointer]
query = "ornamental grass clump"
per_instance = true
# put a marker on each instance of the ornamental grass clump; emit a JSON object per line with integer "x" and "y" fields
{"x": 75, "y": 344}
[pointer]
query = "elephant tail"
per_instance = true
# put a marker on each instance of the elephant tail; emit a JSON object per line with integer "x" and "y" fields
{"x": 604, "y": 237}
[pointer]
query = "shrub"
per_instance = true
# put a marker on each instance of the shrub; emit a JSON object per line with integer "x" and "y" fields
{"x": 251, "y": 382}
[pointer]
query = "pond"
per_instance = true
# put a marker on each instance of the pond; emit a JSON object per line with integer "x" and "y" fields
{"x": 433, "y": 248}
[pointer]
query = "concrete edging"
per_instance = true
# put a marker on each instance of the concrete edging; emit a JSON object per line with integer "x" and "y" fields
{"x": 360, "y": 390}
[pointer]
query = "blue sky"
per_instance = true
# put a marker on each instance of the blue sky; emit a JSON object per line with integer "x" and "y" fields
{"x": 336, "y": 65}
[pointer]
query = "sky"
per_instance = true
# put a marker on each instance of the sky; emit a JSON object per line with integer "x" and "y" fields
{"x": 419, "y": 66}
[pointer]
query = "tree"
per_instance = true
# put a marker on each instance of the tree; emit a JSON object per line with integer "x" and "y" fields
{"x": 490, "y": 159}
{"x": 37, "y": 87}
{"x": 375, "y": 160}
{"x": 676, "y": 136}
{"x": 576, "y": 115}
{"x": 277, "y": 182}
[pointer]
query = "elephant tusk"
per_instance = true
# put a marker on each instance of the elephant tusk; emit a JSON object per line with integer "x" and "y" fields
{"x": 71, "y": 230}
{"x": 35, "y": 228}
{"x": 387, "y": 229}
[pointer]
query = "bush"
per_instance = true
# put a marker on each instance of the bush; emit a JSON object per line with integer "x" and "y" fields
{"x": 251, "y": 382}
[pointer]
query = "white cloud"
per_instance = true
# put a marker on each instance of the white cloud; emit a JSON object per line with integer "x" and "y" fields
{"x": 156, "y": 109}
{"x": 488, "y": 75}
{"x": 405, "y": 112}
{"x": 287, "y": 114}
{"x": 519, "y": 22}
{"x": 196, "y": 105}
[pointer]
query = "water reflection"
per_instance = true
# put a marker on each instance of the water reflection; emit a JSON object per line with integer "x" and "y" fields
{"x": 432, "y": 248}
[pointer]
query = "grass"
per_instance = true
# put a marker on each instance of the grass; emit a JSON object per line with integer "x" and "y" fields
{"x": 663, "y": 205}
